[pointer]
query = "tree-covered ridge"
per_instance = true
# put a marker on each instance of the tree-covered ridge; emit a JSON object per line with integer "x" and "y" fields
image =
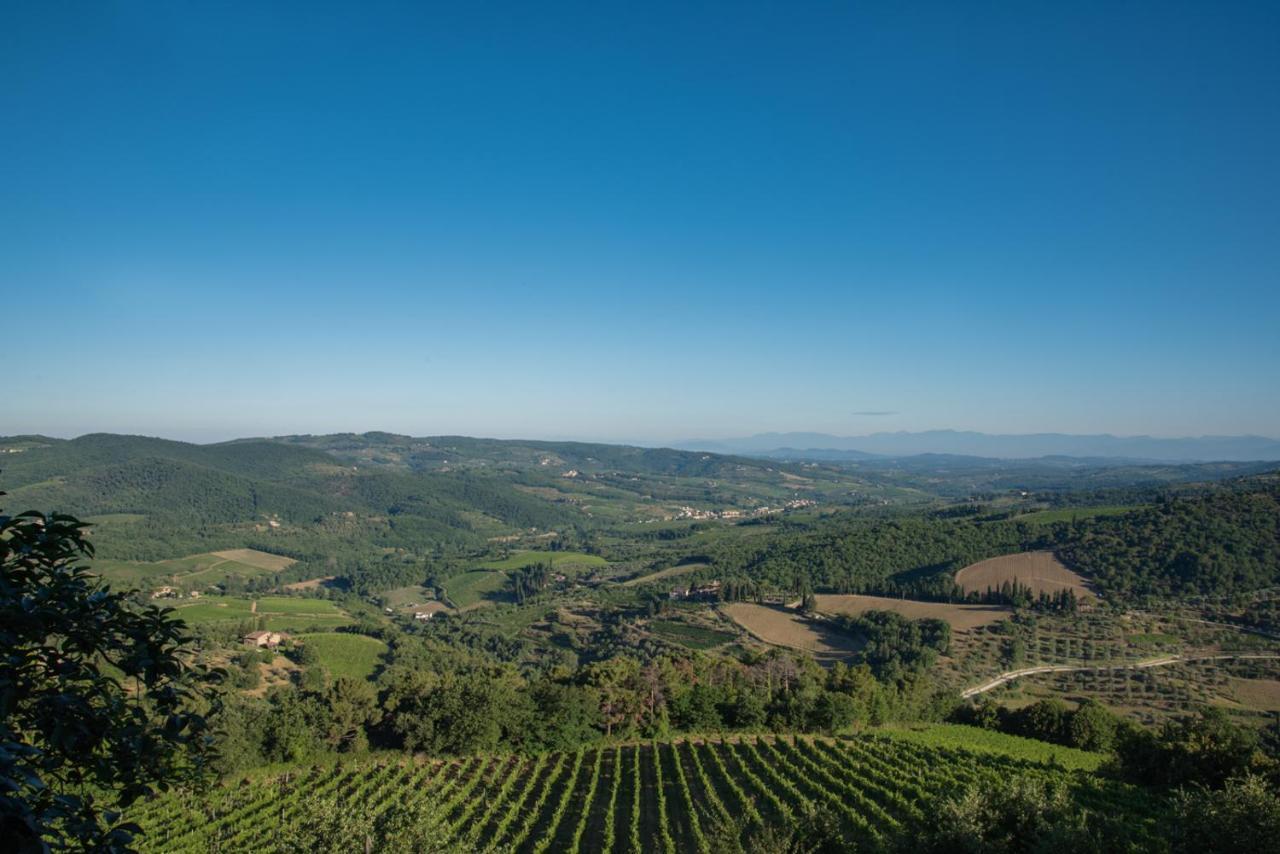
{"x": 237, "y": 481}
{"x": 1214, "y": 541}
{"x": 911, "y": 555}
{"x": 1217, "y": 543}
{"x": 183, "y": 492}
{"x": 418, "y": 453}
{"x": 269, "y": 495}
{"x": 450, "y": 488}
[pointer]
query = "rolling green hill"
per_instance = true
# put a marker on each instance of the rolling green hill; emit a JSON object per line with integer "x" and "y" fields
{"x": 382, "y": 510}
{"x": 1220, "y": 540}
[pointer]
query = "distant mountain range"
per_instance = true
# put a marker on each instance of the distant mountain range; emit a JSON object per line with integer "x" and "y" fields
{"x": 1000, "y": 446}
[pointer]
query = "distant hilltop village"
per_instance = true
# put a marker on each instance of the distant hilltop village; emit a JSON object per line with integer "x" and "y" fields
{"x": 694, "y": 513}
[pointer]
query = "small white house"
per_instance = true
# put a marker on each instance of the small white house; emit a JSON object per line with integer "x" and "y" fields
{"x": 270, "y": 640}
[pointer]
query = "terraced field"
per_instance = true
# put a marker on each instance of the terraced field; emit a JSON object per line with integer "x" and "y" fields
{"x": 645, "y": 798}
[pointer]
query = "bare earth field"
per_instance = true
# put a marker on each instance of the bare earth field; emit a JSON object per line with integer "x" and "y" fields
{"x": 780, "y": 627}
{"x": 261, "y": 560}
{"x": 1261, "y": 694}
{"x": 1041, "y": 571}
{"x": 310, "y": 583}
{"x": 961, "y": 617}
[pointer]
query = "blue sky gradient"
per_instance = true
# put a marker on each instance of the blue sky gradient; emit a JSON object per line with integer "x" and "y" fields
{"x": 641, "y": 222}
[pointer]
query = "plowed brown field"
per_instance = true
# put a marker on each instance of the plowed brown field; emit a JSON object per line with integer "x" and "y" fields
{"x": 1041, "y": 571}
{"x": 961, "y": 617}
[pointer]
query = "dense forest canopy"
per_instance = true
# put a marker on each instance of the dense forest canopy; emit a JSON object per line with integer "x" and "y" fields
{"x": 1218, "y": 543}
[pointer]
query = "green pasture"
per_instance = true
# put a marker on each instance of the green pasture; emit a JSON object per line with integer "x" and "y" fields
{"x": 1046, "y": 517}
{"x": 558, "y": 560}
{"x": 198, "y": 570}
{"x": 472, "y": 588}
{"x": 344, "y": 654}
{"x": 277, "y": 613}
{"x": 400, "y": 597}
{"x": 304, "y": 622}
{"x": 693, "y": 637}
{"x": 295, "y": 605}
{"x": 980, "y": 740}
{"x": 213, "y": 609}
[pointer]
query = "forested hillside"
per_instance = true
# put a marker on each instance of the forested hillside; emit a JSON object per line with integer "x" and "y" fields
{"x": 1214, "y": 541}
{"x": 379, "y": 509}
{"x": 851, "y": 555}
{"x": 1218, "y": 543}
{"x": 406, "y": 452}
{"x": 246, "y": 480}
{"x": 153, "y": 499}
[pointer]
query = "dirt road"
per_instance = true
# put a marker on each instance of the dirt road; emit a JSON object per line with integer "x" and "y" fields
{"x": 1010, "y": 675}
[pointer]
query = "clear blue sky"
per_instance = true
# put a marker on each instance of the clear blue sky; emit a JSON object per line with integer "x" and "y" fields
{"x": 641, "y": 221}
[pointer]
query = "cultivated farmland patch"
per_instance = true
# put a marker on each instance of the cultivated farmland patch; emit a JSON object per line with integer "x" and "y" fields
{"x": 783, "y": 627}
{"x": 961, "y": 617}
{"x": 559, "y": 560}
{"x": 671, "y": 796}
{"x": 1261, "y": 694}
{"x": 669, "y": 572}
{"x": 1041, "y": 571}
{"x": 261, "y": 560}
{"x": 346, "y": 654}
{"x": 196, "y": 571}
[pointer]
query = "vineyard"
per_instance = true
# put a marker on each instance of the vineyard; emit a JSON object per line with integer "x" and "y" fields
{"x": 653, "y": 797}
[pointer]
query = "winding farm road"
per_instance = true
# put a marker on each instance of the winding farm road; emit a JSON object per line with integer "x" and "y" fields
{"x": 1010, "y": 675}
{"x": 1248, "y": 630}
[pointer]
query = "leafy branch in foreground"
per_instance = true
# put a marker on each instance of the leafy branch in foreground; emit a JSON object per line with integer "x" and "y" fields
{"x": 96, "y": 694}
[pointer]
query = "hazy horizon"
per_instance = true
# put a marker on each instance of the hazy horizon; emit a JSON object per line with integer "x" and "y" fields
{"x": 674, "y": 440}
{"x": 651, "y": 223}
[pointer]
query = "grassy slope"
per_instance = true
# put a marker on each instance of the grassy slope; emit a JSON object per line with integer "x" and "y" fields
{"x": 1069, "y": 514}
{"x": 278, "y": 613}
{"x": 198, "y": 570}
{"x": 472, "y": 588}
{"x": 344, "y": 654}
{"x": 558, "y": 560}
{"x": 979, "y": 740}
